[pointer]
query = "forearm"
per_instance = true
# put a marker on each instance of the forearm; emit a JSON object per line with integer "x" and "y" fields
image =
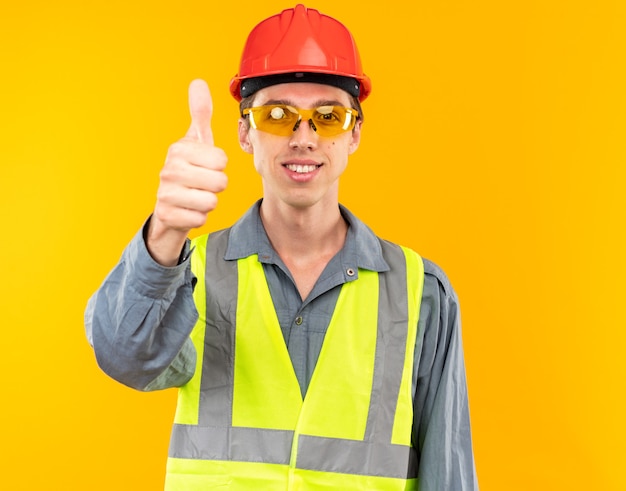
{"x": 139, "y": 321}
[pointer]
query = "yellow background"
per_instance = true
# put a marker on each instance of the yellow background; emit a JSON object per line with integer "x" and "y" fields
{"x": 493, "y": 144}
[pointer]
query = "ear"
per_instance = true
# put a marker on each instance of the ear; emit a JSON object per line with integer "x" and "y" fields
{"x": 355, "y": 137}
{"x": 244, "y": 136}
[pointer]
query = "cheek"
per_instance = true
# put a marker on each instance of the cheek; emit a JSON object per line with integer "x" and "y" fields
{"x": 338, "y": 147}
{"x": 258, "y": 163}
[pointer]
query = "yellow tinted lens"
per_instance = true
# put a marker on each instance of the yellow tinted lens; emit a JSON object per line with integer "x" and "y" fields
{"x": 276, "y": 119}
{"x": 282, "y": 120}
{"x": 333, "y": 120}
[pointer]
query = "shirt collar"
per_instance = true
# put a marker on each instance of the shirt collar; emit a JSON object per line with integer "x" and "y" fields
{"x": 362, "y": 248}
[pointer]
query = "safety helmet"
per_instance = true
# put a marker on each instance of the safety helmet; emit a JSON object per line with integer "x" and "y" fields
{"x": 300, "y": 45}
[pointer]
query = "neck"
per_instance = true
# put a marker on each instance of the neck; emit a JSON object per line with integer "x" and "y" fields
{"x": 298, "y": 234}
{"x": 305, "y": 239}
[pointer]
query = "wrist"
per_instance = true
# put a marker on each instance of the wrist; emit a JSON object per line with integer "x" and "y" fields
{"x": 164, "y": 244}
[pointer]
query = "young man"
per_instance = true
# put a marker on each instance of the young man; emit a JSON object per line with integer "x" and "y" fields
{"x": 309, "y": 353}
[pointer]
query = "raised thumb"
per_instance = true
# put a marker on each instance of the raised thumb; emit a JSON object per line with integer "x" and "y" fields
{"x": 201, "y": 110}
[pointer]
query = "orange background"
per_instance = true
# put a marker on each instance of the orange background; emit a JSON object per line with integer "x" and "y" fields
{"x": 493, "y": 144}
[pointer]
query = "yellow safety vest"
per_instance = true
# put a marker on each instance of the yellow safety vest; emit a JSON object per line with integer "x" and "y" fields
{"x": 241, "y": 422}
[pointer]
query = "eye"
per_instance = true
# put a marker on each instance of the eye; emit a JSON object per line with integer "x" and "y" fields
{"x": 328, "y": 114}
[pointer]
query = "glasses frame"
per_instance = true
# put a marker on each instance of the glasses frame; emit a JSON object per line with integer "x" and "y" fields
{"x": 348, "y": 124}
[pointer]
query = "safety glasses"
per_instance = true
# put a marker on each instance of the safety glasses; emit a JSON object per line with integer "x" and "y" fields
{"x": 283, "y": 120}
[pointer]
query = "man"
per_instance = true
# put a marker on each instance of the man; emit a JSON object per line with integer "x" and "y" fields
{"x": 309, "y": 353}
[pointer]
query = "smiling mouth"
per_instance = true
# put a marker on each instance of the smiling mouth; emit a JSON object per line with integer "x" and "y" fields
{"x": 301, "y": 169}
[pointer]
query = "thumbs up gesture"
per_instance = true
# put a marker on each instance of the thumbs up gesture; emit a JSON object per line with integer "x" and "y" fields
{"x": 201, "y": 111}
{"x": 191, "y": 178}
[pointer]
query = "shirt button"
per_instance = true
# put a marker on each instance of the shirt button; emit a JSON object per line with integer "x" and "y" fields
{"x": 298, "y": 320}
{"x": 350, "y": 272}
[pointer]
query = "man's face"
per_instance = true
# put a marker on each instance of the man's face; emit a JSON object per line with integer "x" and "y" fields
{"x": 302, "y": 169}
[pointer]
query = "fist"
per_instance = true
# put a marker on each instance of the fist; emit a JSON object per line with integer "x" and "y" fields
{"x": 193, "y": 173}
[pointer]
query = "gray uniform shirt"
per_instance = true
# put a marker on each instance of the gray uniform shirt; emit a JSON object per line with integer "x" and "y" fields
{"x": 140, "y": 319}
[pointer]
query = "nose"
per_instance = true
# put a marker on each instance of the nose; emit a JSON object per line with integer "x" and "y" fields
{"x": 304, "y": 135}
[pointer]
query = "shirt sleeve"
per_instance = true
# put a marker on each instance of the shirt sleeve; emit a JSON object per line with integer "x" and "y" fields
{"x": 441, "y": 430}
{"x": 140, "y": 318}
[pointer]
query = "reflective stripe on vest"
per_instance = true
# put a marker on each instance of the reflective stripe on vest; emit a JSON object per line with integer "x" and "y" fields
{"x": 241, "y": 422}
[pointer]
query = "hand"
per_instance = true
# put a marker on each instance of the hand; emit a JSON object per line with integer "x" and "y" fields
{"x": 190, "y": 180}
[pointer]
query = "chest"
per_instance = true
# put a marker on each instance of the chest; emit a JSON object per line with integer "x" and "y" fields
{"x": 303, "y": 323}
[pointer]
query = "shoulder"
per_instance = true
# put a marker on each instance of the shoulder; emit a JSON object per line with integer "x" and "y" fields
{"x": 216, "y": 237}
{"x": 209, "y": 247}
{"x": 434, "y": 276}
